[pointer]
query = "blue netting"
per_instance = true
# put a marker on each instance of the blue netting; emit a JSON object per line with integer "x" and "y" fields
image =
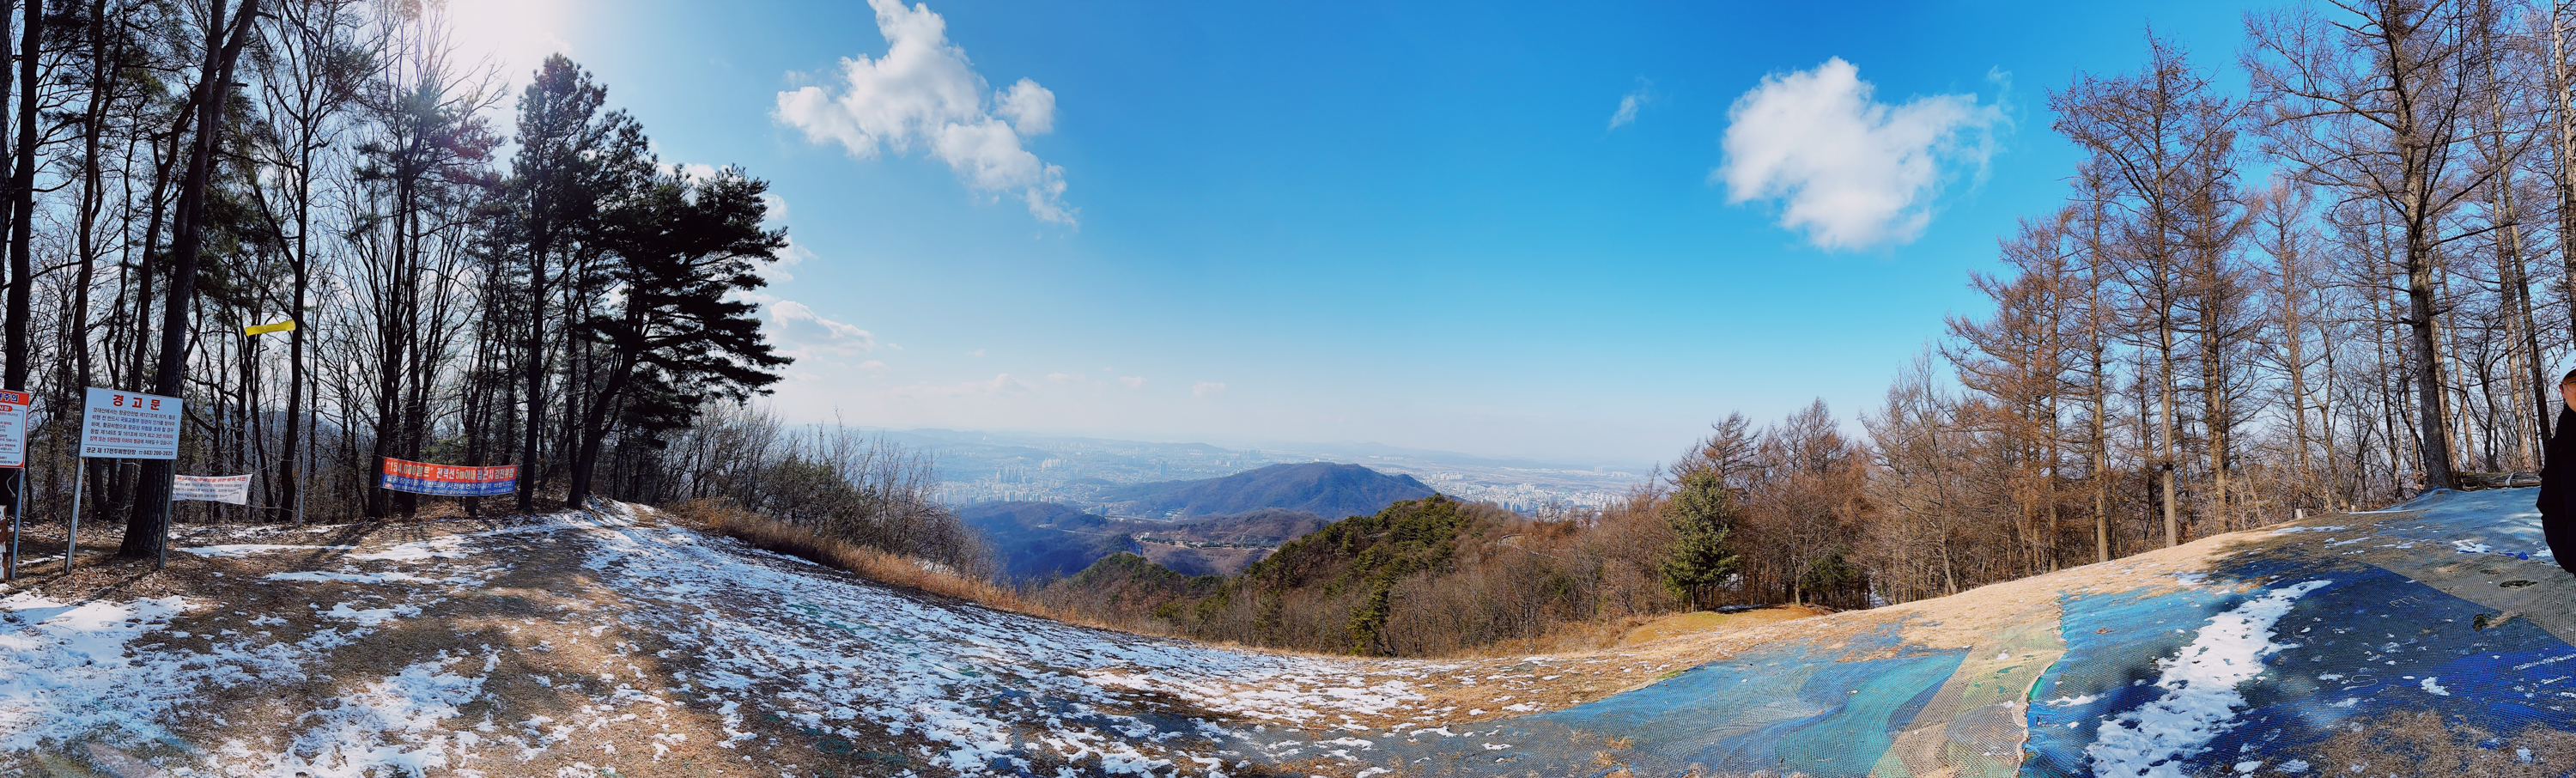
{"x": 1784, "y": 708}
{"x": 2448, "y": 604}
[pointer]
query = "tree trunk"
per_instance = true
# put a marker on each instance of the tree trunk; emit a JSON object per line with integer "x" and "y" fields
{"x": 2435, "y": 448}
{"x": 23, "y": 187}
{"x": 145, "y": 533}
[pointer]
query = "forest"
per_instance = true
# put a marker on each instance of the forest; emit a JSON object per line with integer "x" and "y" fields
{"x": 2349, "y": 281}
{"x": 183, "y": 172}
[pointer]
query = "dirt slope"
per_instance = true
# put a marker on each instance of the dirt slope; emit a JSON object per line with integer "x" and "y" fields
{"x": 623, "y": 643}
{"x": 2423, "y": 640}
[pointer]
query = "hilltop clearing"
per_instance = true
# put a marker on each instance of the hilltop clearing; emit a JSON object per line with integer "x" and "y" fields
{"x": 2427, "y": 639}
{"x": 620, "y": 642}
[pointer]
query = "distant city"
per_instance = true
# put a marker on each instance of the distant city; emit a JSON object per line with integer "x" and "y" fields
{"x": 979, "y": 467}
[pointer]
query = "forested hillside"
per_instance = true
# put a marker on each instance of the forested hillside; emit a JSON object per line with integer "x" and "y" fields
{"x": 1425, "y": 577}
{"x": 1042, "y": 541}
{"x": 1321, "y": 488}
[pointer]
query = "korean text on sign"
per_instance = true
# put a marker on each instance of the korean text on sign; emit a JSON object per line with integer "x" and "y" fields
{"x": 449, "y": 480}
{"x": 13, "y": 427}
{"x": 233, "y": 489}
{"x": 129, "y": 425}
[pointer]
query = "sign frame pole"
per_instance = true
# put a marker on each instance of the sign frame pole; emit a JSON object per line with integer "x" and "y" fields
{"x": 80, "y": 480}
{"x": 169, "y": 516}
{"x": 15, "y": 525}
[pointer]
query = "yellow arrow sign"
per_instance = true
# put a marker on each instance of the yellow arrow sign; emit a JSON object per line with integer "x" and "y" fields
{"x": 263, "y": 329}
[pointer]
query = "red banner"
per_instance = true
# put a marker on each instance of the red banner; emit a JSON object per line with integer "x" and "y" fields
{"x": 449, "y": 480}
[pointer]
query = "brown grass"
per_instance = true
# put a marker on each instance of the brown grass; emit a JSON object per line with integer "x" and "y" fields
{"x": 769, "y": 534}
{"x": 2425, "y": 743}
{"x": 1680, "y": 624}
{"x": 896, "y": 570}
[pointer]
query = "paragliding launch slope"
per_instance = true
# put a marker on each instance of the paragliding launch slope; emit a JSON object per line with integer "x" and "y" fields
{"x": 2425, "y": 637}
{"x": 2428, "y": 639}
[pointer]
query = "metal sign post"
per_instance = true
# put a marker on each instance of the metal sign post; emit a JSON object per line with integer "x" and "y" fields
{"x": 80, "y": 478}
{"x": 125, "y": 425}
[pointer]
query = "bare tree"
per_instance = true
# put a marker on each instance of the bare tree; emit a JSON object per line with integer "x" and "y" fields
{"x": 2162, "y": 139}
{"x": 2377, "y": 103}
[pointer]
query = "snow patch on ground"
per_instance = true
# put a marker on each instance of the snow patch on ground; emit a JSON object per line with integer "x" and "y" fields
{"x": 386, "y": 729}
{"x": 246, "y": 549}
{"x": 316, "y": 575}
{"x": 2200, "y": 699}
{"x": 369, "y": 617}
{"x": 63, "y": 670}
{"x": 449, "y": 547}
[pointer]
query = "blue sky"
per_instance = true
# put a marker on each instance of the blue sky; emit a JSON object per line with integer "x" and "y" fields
{"x": 1413, "y": 224}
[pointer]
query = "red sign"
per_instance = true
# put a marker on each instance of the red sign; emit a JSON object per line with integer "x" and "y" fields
{"x": 403, "y": 475}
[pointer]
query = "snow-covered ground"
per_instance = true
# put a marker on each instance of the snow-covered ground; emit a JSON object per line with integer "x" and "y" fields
{"x": 616, "y": 642}
{"x": 621, "y": 642}
{"x": 983, "y": 690}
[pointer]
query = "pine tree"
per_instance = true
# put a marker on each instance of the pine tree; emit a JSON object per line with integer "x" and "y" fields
{"x": 679, "y": 336}
{"x": 1701, "y": 560}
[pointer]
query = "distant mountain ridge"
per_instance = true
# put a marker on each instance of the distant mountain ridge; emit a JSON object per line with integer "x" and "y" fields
{"x": 1209, "y": 526}
{"x": 1043, "y": 540}
{"x": 1321, "y": 488}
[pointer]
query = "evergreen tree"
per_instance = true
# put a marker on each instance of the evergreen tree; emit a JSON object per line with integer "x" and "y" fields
{"x": 572, "y": 158}
{"x": 1701, "y": 560}
{"x": 679, "y": 336}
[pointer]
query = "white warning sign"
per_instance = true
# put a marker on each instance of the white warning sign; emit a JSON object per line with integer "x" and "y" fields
{"x": 129, "y": 425}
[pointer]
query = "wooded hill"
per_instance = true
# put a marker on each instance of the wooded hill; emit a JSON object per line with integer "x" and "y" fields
{"x": 1043, "y": 541}
{"x": 1423, "y": 577}
{"x": 1195, "y": 527}
{"x": 1320, "y": 488}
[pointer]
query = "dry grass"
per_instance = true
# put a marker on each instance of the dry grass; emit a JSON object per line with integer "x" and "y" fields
{"x": 2425, "y": 743}
{"x": 1680, "y": 624}
{"x": 769, "y": 534}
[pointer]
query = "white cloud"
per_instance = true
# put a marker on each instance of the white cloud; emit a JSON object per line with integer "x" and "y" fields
{"x": 1854, "y": 172}
{"x": 1208, "y": 389}
{"x": 1629, "y": 103}
{"x": 873, "y": 364}
{"x": 925, "y": 94}
{"x": 799, "y": 327}
{"x": 1132, "y": 381}
{"x": 1031, "y": 108}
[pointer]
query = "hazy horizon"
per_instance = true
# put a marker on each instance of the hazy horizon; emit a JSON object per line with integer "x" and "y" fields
{"x": 1531, "y": 235}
